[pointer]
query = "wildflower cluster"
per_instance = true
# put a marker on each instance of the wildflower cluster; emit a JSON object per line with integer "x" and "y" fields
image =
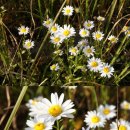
{"x": 44, "y": 113}
{"x": 28, "y": 44}
{"x": 98, "y": 118}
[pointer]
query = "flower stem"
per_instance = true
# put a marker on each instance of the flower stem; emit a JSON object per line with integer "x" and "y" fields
{"x": 20, "y": 98}
{"x": 58, "y": 125}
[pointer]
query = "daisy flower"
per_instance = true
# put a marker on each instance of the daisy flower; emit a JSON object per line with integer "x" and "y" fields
{"x": 73, "y": 51}
{"x": 48, "y": 23}
{"x": 94, "y": 119}
{"x": 128, "y": 33}
{"x": 106, "y": 70}
{"x": 68, "y": 10}
{"x": 100, "y": 18}
{"x": 28, "y": 44}
{"x": 88, "y": 24}
{"x": 94, "y": 64}
{"x": 125, "y": 28}
{"x": 54, "y": 28}
{"x": 81, "y": 44}
{"x": 23, "y": 30}
{"x": 58, "y": 52}
{"x": 39, "y": 124}
{"x": 55, "y": 109}
{"x": 54, "y": 67}
{"x": 113, "y": 39}
{"x": 56, "y": 39}
{"x": 97, "y": 35}
{"x": 67, "y": 31}
{"x": 120, "y": 125}
{"x": 84, "y": 32}
{"x": 88, "y": 51}
{"x": 33, "y": 102}
{"x": 125, "y": 105}
{"x": 107, "y": 111}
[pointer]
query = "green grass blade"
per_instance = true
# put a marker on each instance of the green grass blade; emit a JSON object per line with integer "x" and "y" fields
{"x": 113, "y": 5}
{"x": 20, "y": 98}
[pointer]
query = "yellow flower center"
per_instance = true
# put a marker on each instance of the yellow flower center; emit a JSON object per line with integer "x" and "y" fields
{"x": 95, "y": 119}
{"x": 126, "y": 106}
{"x": 23, "y": 30}
{"x": 56, "y": 39}
{"x": 94, "y": 64}
{"x": 66, "y": 32}
{"x": 54, "y": 29}
{"x": 74, "y": 50}
{"x": 122, "y": 127}
{"x": 89, "y": 50}
{"x": 88, "y": 24}
{"x": 84, "y": 32}
{"x": 125, "y": 28}
{"x": 53, "y": 67}
{"x": 39, "y": 126}
{"x": 98, "y": 35}
{"x": 48, "y": 22}
{"x": 55, "y": 110}
{"x": 113, "y": 39}
{"x": 34, "y": 102}
{"x": 106, "y": 70}
{"x": 68, "y": 11}
{"x": 106, "y": 111}
{"x": 28, "y": 44}
{"x": 128, "y": 32}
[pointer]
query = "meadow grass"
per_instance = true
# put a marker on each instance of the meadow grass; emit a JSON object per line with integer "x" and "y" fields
{"x": 40, "y": 71}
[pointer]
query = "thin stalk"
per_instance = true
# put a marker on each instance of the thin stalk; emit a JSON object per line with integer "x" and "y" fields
{"x": 87, "y": 8}
{"x": 121, "y": 4}
{"x": 40, "y": 11}
{"x": 95, "y": 95}
{"x": 110, "y": 14}
{"x": 95, "y": 4}
{"x": 58, "y": 125}
{"x": 24, "y": 89}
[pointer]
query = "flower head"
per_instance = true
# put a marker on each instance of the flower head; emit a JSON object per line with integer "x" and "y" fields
{"x": 54, "y": 67}
{"x": 28, "y": 44}
{"x": 88, "y": 51}
{"x": 94, "y": 64}
{"x": 83, "y": 43}
{"x": 106, "y": 70}
{"x": 88, "y": 24}
{"x": 125, "y": 28}
{"x": 54, "y": 28}
{"x": 48, "y": 23}
{"x": 100, "y": 18}
{"x": 67, "y": 31}
{"x": 98, "y": 35}
{"x": 33, "y": 102}
{"x": 56, "y": 39}
{"x": 125, "y": 105}
{"x": 120, "y": 125}
{"x": 55, "y": 109}
{"x": 107, "y": 111}
{"x": 113, "y": 39}
{"x": 84, "y": 32}
{"x": 58, "y": 52}
{"x": 73, "y": 51}
{"x": 23, "y": 30}
{"x": 94, "y": 119}
{"x": 39, "y": 124}
{"x": 68, "y": 10}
